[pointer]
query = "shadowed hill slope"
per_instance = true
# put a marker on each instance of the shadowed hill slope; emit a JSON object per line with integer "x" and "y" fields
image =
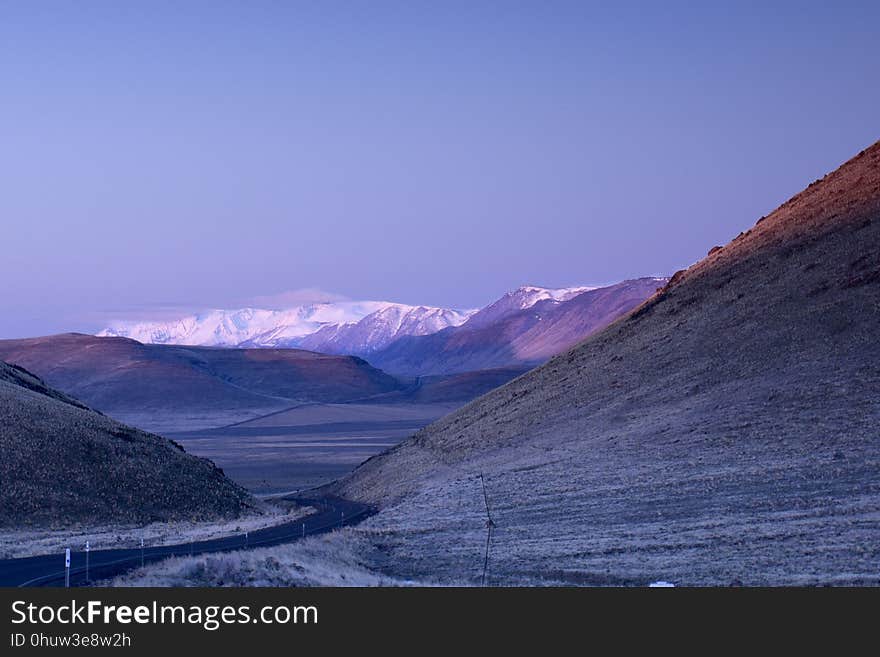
{"x": 450, "y": 388}
{"x": 62, "y": 463}
{"x": 725, "y": 431}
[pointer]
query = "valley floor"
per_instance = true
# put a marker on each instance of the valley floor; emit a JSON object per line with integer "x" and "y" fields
{"x": 309, "y": 445}
{"x": 727, "y": 501}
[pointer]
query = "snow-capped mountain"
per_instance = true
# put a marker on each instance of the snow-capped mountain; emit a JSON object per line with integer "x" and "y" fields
{"x": 339, "y": 325}
{"x": 381, "y": 328}
{"x": 336, "y": 327}
{"x": 231, "y": 328}
{"x": 520, "y": 299}
{"x": 523, "y": 328}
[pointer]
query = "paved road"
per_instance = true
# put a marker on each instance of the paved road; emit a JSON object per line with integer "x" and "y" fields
{"x": 48, "y": 570}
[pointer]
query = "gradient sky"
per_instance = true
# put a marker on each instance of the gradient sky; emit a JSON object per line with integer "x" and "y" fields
{"x": 158, "y": 155}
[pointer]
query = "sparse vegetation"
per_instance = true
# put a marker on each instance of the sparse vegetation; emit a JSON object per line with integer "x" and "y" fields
{"x": 336, "y": 559}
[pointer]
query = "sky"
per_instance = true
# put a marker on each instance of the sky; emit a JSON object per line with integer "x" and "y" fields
{"x": 161, "y": 156}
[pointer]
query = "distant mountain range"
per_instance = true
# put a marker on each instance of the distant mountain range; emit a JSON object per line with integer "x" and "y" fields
{"x": 412, "y": 340}
{"x": 523, "y": 328}
{"x": 381, "y": 328}
{"x": 349, "y": 327}
{"x": 427, "y": 355}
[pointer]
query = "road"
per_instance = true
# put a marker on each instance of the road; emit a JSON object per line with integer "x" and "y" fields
{"x": 48, "y": 569}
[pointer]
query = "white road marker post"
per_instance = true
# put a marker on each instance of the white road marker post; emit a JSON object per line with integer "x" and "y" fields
{"x": 342, "y": 519}
{"x": 304, "y": 530}
{"x": 245, "y": 539}
{"x": 67, "y": 568}
{"x": 87, "y": 562}
{"x": 142, "y": 551}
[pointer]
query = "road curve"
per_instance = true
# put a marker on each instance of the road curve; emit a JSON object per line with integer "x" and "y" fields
{"x": 48, "y": 569}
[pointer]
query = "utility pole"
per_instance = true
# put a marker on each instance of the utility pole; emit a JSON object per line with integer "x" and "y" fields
{"x": 489, "y": 525}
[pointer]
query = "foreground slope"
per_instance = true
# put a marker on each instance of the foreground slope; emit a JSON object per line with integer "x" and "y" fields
{"x": 726, "y": 431}
{"x": 62, "y": 463}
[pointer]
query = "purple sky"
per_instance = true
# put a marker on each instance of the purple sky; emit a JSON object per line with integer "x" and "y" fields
{"x": 154, "y": 157}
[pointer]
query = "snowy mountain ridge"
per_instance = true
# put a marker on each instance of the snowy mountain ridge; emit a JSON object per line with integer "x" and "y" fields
{"x": 520, "y": 299}
{"x": 245, "y": 326}
{"x": 337, "y": 327}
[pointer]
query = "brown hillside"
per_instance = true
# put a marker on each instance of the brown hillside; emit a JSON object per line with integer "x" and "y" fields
{"x": 726, "y": 431}
{"x": 151, "y": 385}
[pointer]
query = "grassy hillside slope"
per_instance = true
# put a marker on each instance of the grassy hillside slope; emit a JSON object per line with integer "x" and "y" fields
{"x": 725, "y": 431}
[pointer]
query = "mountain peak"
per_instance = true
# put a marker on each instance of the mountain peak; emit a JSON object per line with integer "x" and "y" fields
{"x": 382, "y": 327}
{"x": 519, "y": 299}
